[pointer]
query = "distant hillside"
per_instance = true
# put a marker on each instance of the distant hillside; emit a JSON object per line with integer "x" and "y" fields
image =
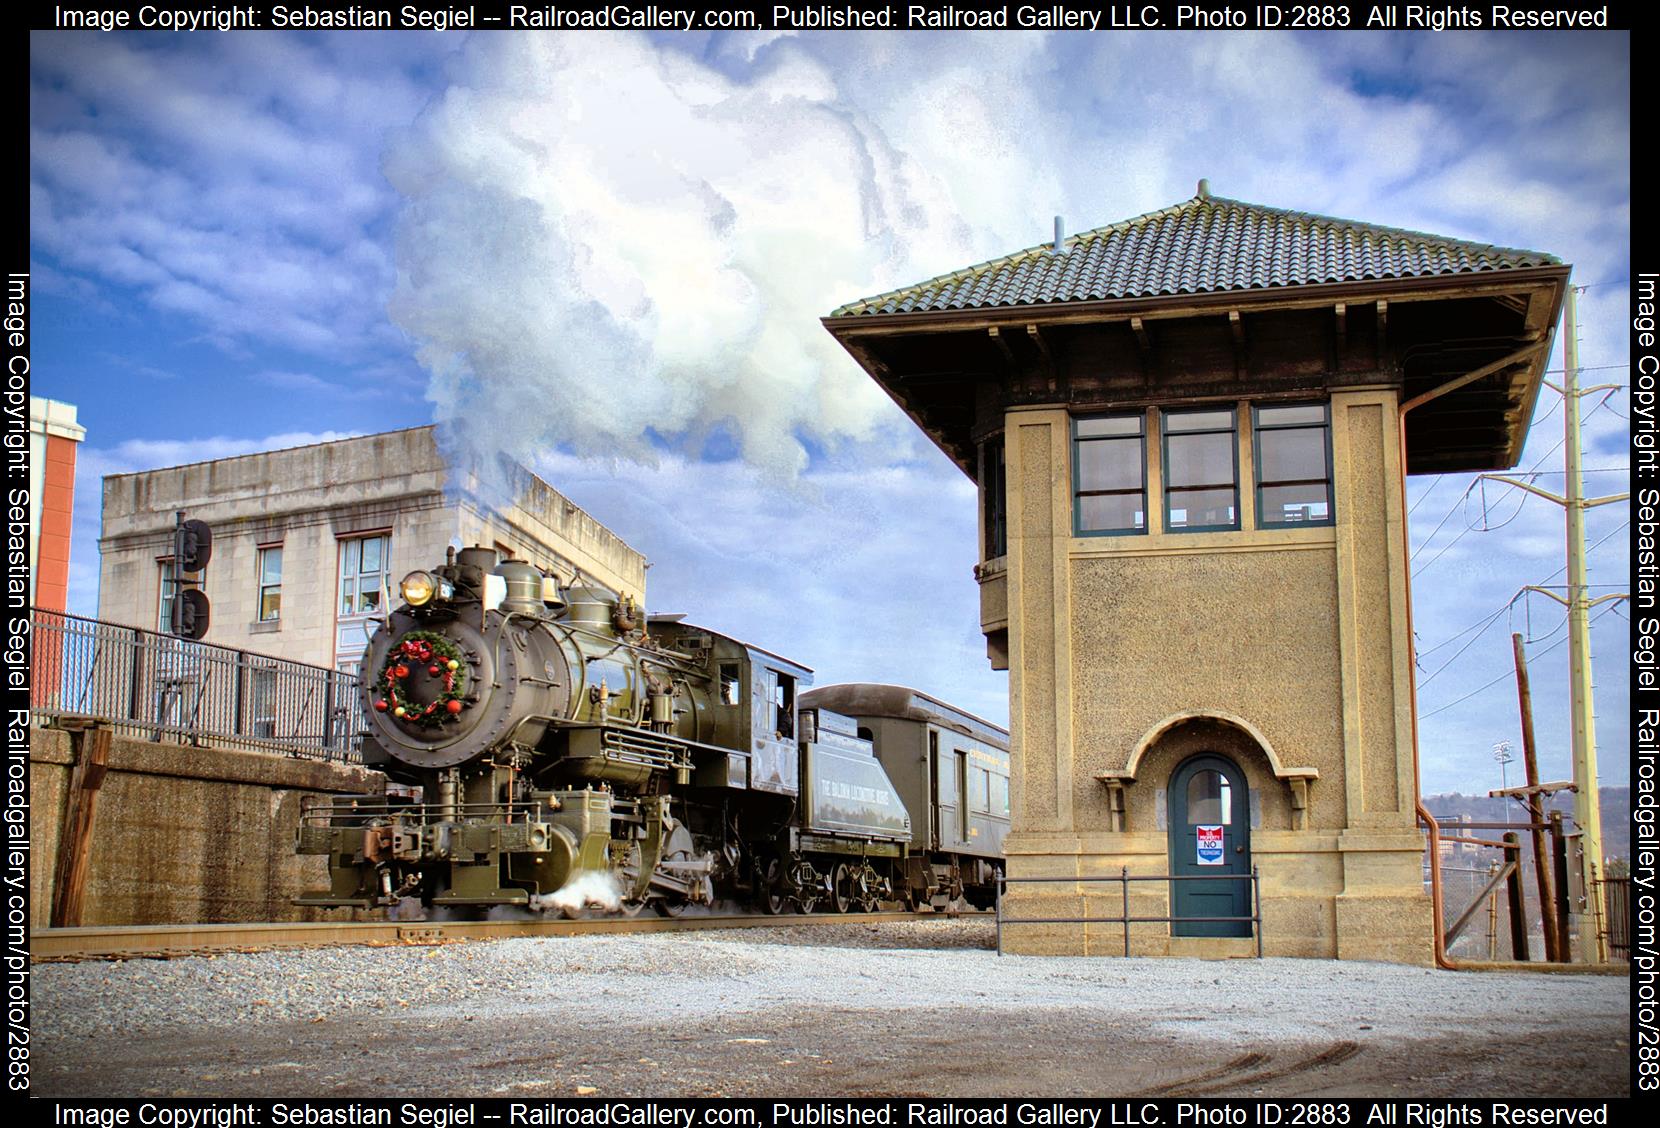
{"x": 1616, "y": 813}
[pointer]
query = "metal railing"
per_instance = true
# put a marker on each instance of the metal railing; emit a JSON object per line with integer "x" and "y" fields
{"x": 1616, "y": 907}
{"x": 1123, "y": 879}
{"x": 156, "y": 686}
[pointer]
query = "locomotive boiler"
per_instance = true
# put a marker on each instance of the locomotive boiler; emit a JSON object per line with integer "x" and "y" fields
{"x": 553, "y": 747}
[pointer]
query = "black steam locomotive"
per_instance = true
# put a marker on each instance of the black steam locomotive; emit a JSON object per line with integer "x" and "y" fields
{"x": 557, "y": 749}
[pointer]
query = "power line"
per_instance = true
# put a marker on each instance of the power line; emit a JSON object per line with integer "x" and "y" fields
{"x": 1443, "y": 521}
{"x": 1473, "y": 640}
{"x": 1486, "y": 528}
{"x": 1506, "y": 674}
{"x": 1543, "y": 583}
{"x": 1427, "y": 491}
{"x": 1594, "y": 470}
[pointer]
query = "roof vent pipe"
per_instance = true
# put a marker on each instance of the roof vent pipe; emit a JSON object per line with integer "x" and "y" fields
{"x": 1060, "y": 236}
{"x": 1204, "y": 189}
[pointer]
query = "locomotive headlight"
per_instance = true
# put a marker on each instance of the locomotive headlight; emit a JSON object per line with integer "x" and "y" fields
{"x": 418, "y": 588}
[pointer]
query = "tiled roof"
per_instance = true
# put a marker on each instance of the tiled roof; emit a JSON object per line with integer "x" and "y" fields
{"x": 1204, "y": 245}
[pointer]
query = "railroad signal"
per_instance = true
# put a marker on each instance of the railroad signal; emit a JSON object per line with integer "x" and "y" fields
{"x": 192, "y": 548}
{"x": 192, "y": 545}
{"x": 190, "y": 614}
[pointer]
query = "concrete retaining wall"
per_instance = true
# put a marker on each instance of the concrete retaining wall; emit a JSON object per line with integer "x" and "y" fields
{"x": 185, "y": 835}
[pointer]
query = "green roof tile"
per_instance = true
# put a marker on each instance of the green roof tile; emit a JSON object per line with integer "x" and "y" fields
{"x": 1205, "y": 245}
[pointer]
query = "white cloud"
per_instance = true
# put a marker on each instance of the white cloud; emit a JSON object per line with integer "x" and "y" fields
{"x": 233, "y": 186}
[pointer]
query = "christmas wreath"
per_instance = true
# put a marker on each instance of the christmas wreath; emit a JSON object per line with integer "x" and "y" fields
{"x": 443, "y": 661}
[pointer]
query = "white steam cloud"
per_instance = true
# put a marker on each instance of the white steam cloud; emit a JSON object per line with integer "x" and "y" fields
{"x": 589, "y": 890}
{"x": 602, "y": 241}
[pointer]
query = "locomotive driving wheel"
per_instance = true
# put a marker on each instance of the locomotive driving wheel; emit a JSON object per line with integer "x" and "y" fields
{"x": 774, "y": 896}
{"x": 844, "y": 888}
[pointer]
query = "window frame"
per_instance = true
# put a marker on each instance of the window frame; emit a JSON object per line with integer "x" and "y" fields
{"x": 355, "y": 542}
{"x": 1077, "y": 474}
{"x": 164, "y": 601}
{"x": 1232, "y": 430}
{"x": 261, "y": 587}
{"x": 1256, "y": 465}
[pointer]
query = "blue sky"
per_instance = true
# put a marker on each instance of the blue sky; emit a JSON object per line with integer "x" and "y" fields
{"x": 606, "y": 255}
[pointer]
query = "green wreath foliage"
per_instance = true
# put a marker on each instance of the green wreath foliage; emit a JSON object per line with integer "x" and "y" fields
{"x": 403, "y": 661}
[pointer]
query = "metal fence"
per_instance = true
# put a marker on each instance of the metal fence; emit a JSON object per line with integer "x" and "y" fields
{"x": 1616, "y": 907}
{"x": 156, "y": 686}
{"x": 1123, "y": 879}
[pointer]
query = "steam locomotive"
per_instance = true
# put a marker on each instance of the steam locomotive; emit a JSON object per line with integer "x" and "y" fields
{"x": 555, "y": 748}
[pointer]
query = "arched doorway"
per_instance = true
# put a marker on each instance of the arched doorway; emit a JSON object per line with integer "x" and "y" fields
{"x": 1210, "y": 843}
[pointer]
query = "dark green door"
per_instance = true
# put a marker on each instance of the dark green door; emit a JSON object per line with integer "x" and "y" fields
{"x": 1210, "y": 837}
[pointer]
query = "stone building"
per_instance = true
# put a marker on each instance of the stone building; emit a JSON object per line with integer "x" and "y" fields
{"x": 310, "y": 543}
{"x": 1191, "y": 431}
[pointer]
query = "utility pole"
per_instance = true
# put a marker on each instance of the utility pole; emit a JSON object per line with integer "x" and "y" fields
{"x": 1587, "y": 808}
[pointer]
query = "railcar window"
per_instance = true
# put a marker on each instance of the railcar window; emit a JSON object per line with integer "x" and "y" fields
{"x": 1000, "y": 795}
{"x": 1109, "y": 471}
{"x": 1293, "y": 460}
{"x": 784, "y": 706}
{"x": 1201, "y": 470}
{"x": 980, "y": 794}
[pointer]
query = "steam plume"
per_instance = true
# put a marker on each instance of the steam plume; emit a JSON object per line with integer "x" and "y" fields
{"x": 603, "y": 241}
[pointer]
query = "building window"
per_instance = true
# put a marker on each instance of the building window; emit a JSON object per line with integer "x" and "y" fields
{"x": 1293, "y": 462}
{"x": 994, "y": 497}
{"x": 270, "y": 583}
{"x": 1109, "y": 473}
{"x": 365, "y": 574}
{"x": 164, "y": 611}
{"x": 1201, "y": 471}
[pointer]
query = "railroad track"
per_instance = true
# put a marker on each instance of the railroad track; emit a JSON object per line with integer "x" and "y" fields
{"x": 164, "y": 941}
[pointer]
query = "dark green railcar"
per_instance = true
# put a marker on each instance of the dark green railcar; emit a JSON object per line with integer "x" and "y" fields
{"x": 951, "y": 769}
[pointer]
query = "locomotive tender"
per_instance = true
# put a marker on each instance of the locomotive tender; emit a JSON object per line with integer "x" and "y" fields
{"x": 556, "y": 748}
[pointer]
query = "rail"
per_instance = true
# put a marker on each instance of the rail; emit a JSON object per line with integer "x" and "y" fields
{"x": 156, "y": 686}
{"x": 130, "y": 941}
{"x": 1124, "y": 879}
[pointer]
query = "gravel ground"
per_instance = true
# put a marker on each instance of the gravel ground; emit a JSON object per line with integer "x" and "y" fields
{"x": 872, "y": 1009}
